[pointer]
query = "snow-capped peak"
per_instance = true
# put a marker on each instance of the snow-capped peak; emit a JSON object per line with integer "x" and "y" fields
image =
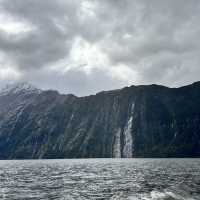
{"x": 14, "y": 88}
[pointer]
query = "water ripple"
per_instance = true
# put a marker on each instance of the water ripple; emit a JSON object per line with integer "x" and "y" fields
{"x": 123, "y": 179}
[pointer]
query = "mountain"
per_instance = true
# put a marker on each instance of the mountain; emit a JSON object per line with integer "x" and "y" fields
{"x": 136, "y": 121}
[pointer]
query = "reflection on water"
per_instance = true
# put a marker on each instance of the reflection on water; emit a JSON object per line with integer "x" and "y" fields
{"x": 134, "y": 179}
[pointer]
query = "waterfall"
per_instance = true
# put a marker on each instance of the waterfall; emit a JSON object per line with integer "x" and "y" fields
{"x": 117, "y": 144}
{"x": 128, "y": 140}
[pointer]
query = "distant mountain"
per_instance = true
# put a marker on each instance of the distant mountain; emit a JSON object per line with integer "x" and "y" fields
{"x": 19, "y": 88}
{"x": 136, "y": 121}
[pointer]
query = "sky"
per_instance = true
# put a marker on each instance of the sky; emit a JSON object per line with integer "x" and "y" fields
{"x": 86, "y": 46}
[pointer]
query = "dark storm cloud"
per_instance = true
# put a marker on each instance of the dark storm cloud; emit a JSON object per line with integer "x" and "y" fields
{"x": 156, "y": 41}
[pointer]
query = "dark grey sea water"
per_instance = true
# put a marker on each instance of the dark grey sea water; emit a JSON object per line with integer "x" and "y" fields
{"x": 134, "y": 179}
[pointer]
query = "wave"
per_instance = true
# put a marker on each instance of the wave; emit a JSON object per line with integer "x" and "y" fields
{"x": 158, "y": 195}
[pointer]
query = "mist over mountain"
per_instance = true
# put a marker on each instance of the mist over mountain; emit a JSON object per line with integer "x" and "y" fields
{"x": 136, "y": 121}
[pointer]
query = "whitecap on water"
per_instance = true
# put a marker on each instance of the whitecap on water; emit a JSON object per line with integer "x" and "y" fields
{"x": 158, "y": 195}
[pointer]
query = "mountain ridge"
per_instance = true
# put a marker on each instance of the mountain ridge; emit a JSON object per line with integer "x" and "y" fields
{"x": 27, "y": 85}
{"x": 135, "y": 121}
{"x": 19, "y": 87}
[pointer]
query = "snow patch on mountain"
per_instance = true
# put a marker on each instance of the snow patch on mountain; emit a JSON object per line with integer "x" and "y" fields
{"x": 15, "y": 88}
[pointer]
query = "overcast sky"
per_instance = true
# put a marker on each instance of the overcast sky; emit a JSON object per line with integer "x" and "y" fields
{"x": 82, "y": 47}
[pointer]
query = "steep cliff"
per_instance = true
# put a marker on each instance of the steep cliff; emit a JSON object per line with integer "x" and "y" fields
{"x": 136, "y": 121}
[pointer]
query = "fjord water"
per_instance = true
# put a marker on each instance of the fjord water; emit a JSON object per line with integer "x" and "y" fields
{"x": 134, "y": 179}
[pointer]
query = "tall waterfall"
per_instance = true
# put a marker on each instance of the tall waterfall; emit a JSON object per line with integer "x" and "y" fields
{"x": 128, "y": 140}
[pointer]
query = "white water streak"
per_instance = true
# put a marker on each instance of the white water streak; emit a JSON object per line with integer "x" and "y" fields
{"x": 128, "y": 140}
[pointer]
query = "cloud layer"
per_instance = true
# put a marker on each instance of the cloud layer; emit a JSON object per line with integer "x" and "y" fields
{"x": 85, "y": 46}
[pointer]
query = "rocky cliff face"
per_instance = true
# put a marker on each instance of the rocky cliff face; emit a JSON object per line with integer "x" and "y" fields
{"x": 137, "y": 121}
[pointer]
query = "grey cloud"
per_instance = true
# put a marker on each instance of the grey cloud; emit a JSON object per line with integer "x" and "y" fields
{"x": 157, "y": 29}
{"x": 75, "y": 81}
{"x": 47, "y": 42}
{"x": 159, "y": 40}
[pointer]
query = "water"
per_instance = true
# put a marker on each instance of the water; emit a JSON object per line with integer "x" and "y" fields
{"x": 131, "y": 179}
